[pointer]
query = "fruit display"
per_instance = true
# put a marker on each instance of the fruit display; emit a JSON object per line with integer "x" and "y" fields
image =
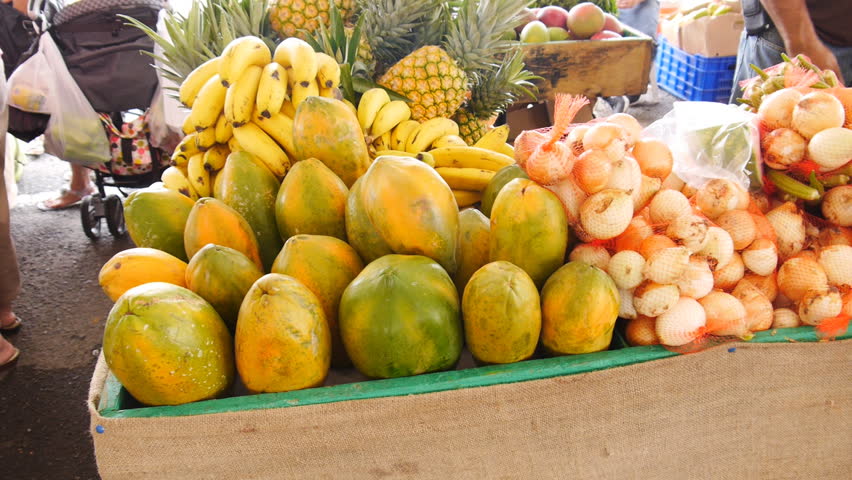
{"x": 582, "y": 21}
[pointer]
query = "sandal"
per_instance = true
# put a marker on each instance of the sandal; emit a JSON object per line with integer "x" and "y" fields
{"x": 15, "y": 354}
{"x": 60, "y": 202}
{"x": 16, "y": 324}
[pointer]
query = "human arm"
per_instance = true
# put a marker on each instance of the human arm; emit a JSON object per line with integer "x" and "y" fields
{"x": 794, "y": 24}
{"x": 20, "y": 5}
{"x": 628, "y": 3}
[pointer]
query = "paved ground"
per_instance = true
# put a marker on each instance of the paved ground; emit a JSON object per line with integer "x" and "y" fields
{"x": 44, "y": 432}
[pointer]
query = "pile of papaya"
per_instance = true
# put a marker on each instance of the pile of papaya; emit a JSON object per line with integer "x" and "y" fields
{"x": 345, "y": 261}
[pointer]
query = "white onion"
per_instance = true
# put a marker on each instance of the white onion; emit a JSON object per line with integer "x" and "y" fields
{"x": 816, "y": 112}
{"x": 673, "y": 182}
{"x": 641, "y": 331}
{"x": 689, "y": 231}
{"x": 647, "y": 189}
{"x": 625, "y": 268}
{"x": 654, "y": 157}
{"x": 727, "y": 277}
{"x": 740, "y": 226}
{"x": 798, "y": 275}
{"x": 594, "y": 255}
{"x": 718, "y": 248}
{"x": 726, "y": 315}
{"x": 758, "y": 307}
{"x": 625, "y": 306}
{"x": 631, "y": 126}
{"x": 636, "y": 232}
{"x": 652, "y": 299}
{"x": 697, "y": 280}
{"x": 683, "y": 323}
{"x": 765, "y": 283}
{"x": 819, "y": 304}
{"x": 626, "y": 176}
{"x": 717, "y": 197}
{"x": 668, "y": 205}
{"x": 782, "y": 148}
{"x": 776, "y": 109}
{"x": 789, "y": 227}
{"x": 837, "y": 206}
{"x": 571, "y": 197}
{"x": 785, "y": 318}
{"x": 836, "y": 260}
{"x": 606, "y": 214}
{"x": 761, "y": 257}
{"x": 575, "y": 139}
{"x": 831, "y": 148}
{"x": 609, "y": 137}
{"x": 667, "y": 265}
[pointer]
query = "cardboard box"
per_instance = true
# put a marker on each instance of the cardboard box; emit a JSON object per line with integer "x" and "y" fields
{"x": 707, "y": 36}
{"x": 532, "y": 116}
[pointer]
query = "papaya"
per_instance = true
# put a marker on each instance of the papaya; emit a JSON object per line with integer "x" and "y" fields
{"x": 250, "y": 188}
{"x": 359, "y": 231}
{"x": 579, "y": 306}
{"x": 213, "y": 221}
{"x": 502, "y": 315}
{"x": 156, "y": 218}
{"x": 282, "y": 342}
{"x": 326, "y": 129}
{"x": 167, "y": 346}
{"x": 222, "y": 276}
{"x": 498, "y": 181}
{"x": 400, "y": 317}
{"x": 474, "y": 230}
{"x": 412, "y": 208}
{"x": 135, "y": 266}
{"x": 529, "y": 228}
{"x": 311, "y": 200}
{"x": 326, "y": 265}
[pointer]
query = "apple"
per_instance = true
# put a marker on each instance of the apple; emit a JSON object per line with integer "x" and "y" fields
{"x": 612, "y": 24}
{"x": 585, "y": 19}
{"x": 553, "y": 16}
{"x": 534, "y": 32}
{"x": 528, "y": 15}
{"x": 606, "y": 35}
{"x": 558, "y": 33}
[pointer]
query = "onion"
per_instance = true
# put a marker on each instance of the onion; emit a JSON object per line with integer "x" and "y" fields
{"x": 611, "y": 138}
{"x": 667, "y": 265}
{"x": 765, "y": 283}
{"x": 697, "y": 280}
{"x": 836, "y": 260}
{"x": 758, "y": 307}
{"x": 776, "y": 109}
{"x": 763, "y": 227}
{"x": 727, "y": 277}
{"x": 683, "y": 323}
{"x": 652, "y": 299}
{"x": 632, "y": 237}
{"x": 798, "y": 275}
{"x": 654, "y": 243}
{"x": 837, "y": 206}
{"x": 630, "y": 125}
{"x": 689, "y": 231}
{"x": 688, "y": 190}
{"x": 816, "y": 112}
{"x": 717, "y": 197}
{"x": 606, "y": 214}
{"x": 654, "y": 157}
{"x": 785, "y": 318}
{"x": 594, "y": 255}
{"x": 625, "y": 268}
{"x": 719, "y": 248}
{"x": 673, "y": 182}
{"x": 782, "y": 148}
{"x": 592, "y": 171}
{"x": 668, "y": 205}
{"x": 725, "y": 314}
{"x": 625, "y": 305}
{"x": 831, "y": 148}
{"x": 834, "y": 236}
{"x": 526, "y": 143}
{"x": 761, "y": 257}
{"x": 575, "y": 139}
{"x": 789, "y": 227}
{"x": 760, "y": 200}
{"x": 740, "y": 226}
{"x": 626, "y": 176}
{"x": 647, "y": 190}
{"x": 571, "y": 197}
{"x": 819, "y": 304}
{"x": 642, "y": 331}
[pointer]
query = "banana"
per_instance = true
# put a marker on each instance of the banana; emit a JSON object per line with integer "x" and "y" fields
{"x": 466, "y": 198}
{"x": 234, "y": 145}
{"x": 400, "y": 133}
{"x": 272, "y": 89}
{"x": 186, "y": 148}
{"x": 429, "y": 131}
{"x": 214, "y": 158}
{"x": 205, "y": 139}
{"x": 198, "y": 177}
{"x": 196, "y": 79}
{"x": 255, "y": 141}
{"x": 208, "y": 104}
{"x": 506, "y": 149}
{"x": 424, "y": 157}
{"x": 288, "y": 109}
{"x": 328, "y": 71}
{"x": 470, "y": 157}
{"x": 465, "y": 178}
{"x": 187, "y": 127}
{"x": 390, "y": 115}
{"x": 242, "y": 96}
{"x": 301, "y": 92}
{"x": 280, "y": 128}
{"x": 224, "y": 129}
{"x": 351, "y": 106}
{"x": 175, "y": 180}
{"x": 216, "y": 179}
{"x": 239, "y": 55}
{"x": 449, "y": 141}
{"x": 333, "y": 92}
{"x": 371, "y": 102}
{"x": 300, "y": 56}
{"x": 494, "y": 138}
{"x": 382, "y": 142}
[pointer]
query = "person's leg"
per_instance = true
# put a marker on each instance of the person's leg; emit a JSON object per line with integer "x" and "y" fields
{"x": 80, "y": 186}
{"x": 10, "y": 282}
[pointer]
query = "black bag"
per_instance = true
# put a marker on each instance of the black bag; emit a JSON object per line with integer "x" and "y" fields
{"x": 15, "y": 37}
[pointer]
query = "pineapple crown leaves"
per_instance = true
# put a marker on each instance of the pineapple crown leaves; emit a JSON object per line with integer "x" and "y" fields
{"x": 494, "y": 90}
{"x": 336, "y": 42}
{"x": 395, "y": 28}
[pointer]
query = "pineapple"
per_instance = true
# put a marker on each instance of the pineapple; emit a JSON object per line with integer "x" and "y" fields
{"x": 299, "y": 18}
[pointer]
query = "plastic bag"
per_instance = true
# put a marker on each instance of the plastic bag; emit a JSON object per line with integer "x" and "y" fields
{"x": 75, "y": 132}
{"x": 29, "y": 85}
{"x": 711, "y": 140}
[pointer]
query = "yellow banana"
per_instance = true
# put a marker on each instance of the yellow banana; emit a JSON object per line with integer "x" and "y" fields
{"x": 214, "y": 158}
{"x": 328, "y": 71}
{"x": 187, "y": 126}
{"x": 300, "y": 92}
{"x": 466, "y": 198}
{"x": 449, "y": 141}
{"x": 470, "y": 157}
{"x": 400, "y": 133}
{"x": 234, "y": 145}
{"x": 368, "y": 107}
{"x": 239, "y": 55}
{"x": 196, "y": 79}
{"x": 205, "y": 139}
{"x": 333, "y": 92}
{"x": 429, "y": 131}
{"x": 290, "y": 79}
{"x": 255, "y": 141}
{"x": 280, "y": 128}
{"x": 198, "y": 177}
{"x": 351, "y": 107}
{"x": 208, "y": 104}
{"x": 382, "y": 142}
{"x": 175, "y": 180}
{"x": 216, "y": 180}
{"x": 272, "y": 89}
{"x": 186, "y": 148}
{"x": 224, "y": 129}
{"x": 389, "y": 116}
{"x": 506, "y": 149}
{"x": 242, "y": 96}
{"x": 288, "y": 109}
{"x": 465, "y": 178}
{"x": 424, "y": 157}
{"x": 493, "y": 138}
{"x": 300, "y": 56}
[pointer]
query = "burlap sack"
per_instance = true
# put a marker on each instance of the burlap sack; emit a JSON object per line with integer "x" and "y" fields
{"x": 770, "y": 411}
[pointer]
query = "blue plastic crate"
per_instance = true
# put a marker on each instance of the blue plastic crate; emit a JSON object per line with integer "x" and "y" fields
{"x": 694, "y": 77}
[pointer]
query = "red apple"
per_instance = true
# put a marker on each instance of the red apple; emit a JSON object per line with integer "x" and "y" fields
{"x": 612, "y": 24}
{"x": 553, "y": 16}
{"x": 606, "y": 35}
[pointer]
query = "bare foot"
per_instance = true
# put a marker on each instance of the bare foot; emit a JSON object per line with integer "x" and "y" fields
{"x": 67, "y": 198}
{"x": 8, "y": 352}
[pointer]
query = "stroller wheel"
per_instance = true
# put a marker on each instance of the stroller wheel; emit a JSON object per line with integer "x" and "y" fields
{"x": 115, "y": 216}
{"x": 89, "y": 215}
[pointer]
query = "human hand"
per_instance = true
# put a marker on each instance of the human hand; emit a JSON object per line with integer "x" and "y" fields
{"x": 628, "y": 3}
{"x": 820, "y": 56}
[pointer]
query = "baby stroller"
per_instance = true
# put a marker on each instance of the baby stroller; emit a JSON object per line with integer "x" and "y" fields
{"x": 103, "y": 57}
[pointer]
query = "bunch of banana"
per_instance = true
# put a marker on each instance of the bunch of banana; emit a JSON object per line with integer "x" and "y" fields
{"x": 193, "y": 171}
{"x": 380, "y": 117}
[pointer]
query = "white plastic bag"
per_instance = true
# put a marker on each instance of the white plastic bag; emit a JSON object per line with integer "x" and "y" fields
{"x": 710, "y": 140}
{"x": 74, "y": 132}
{"x": 29, "y": 85}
